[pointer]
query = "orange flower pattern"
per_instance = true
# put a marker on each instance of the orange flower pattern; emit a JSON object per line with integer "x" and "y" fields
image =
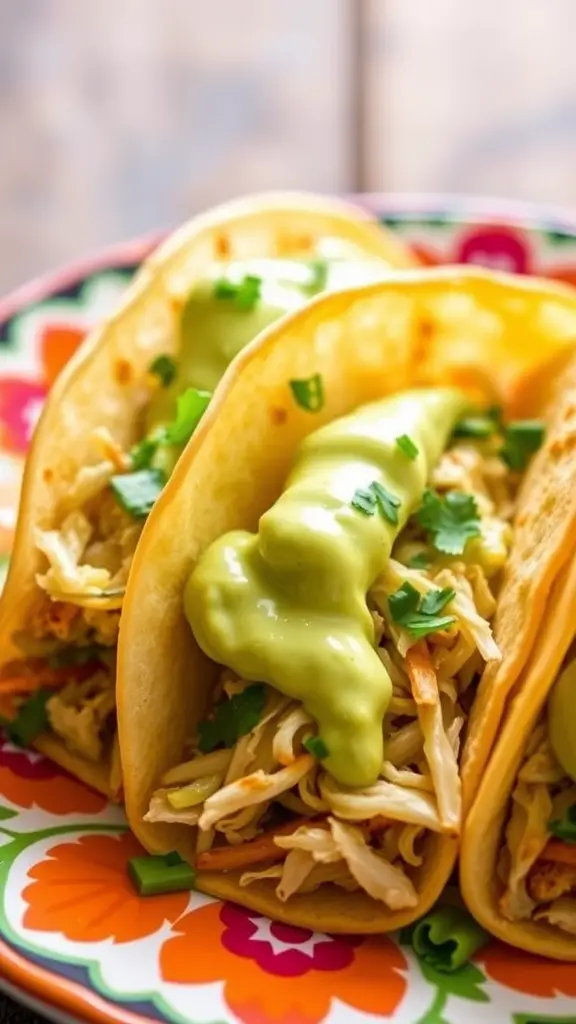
{"x": 82, "y": 890}
{"x": 30, "y": 780}
{"x": 522, "y": 972}
{"x": 277, "y": 974}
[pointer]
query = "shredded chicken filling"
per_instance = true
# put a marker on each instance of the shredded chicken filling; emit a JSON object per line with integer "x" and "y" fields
{"x": 272, "y": 812}
{"x": 538, "y": 870}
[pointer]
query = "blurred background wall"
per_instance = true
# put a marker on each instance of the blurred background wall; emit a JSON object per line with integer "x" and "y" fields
{"x": 123, "y": 116}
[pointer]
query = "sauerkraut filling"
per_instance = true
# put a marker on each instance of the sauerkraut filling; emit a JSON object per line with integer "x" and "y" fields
{"x": 253, "y": 781}
{"x": 537, "y": 863}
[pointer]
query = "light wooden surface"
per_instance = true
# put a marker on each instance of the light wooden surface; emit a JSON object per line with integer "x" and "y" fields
{"x": 123, "y": 116}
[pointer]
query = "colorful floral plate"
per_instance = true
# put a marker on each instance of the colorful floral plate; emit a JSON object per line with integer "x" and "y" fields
{"x": 75, "y": 940}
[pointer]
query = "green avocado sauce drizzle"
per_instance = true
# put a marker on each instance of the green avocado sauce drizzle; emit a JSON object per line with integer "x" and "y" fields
{"x": 287, "y": 605}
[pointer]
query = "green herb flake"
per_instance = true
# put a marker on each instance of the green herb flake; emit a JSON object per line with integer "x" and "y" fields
{"x": 418, "y": 615}
{"x": 30, "y": 721}
{"x": 451, "y": 521}
{"x": 137, "y": 492}
{"x": 420, "y": 561}
{"x": 403, "y": 602}
{"x": 319, "y": 268}
{"x": 521, "y": 439}
{"x": 245, "y": 294}
{"x": 435, "y": 600}
{"x": 163, "y": 367}
{"x": 565, "y": 827}
{"x": 143, "y": 452}
{"x": 407, "y": 446}
{"x": 478, "y": 427}
{"x": 153, "y": 876}
{"x": 308, "y": 393}
{"x": 364, "y": 501}
{"x": 190, "y": 408}
{"x": 316, "y": 746}
{"x": 376, "y": 498}
{"x": 232, "y": 718}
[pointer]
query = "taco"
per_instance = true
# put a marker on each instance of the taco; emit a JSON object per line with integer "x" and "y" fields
{"x": 112, "y": 430}
{"x": 518, "y": 859}
{"x": 309, "y": 606}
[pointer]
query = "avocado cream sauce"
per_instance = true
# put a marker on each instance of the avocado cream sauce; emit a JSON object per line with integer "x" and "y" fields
{"x": 562, "y": 720}
{"x": 216, "y": 326}
{"x": 287, "y": 605}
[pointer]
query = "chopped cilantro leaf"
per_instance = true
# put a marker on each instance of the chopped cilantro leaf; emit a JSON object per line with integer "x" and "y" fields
{"x": 190, "y": 408}
{"x": 521, "y": 439}
{"x": 375, "y": 497}
{"x": 137, "y": 492}
{"x": 309, "y": 393}
{"x": 407, "y": 446}
{"x": 30, "y": 721}
{"x": 143, "y": 452}
{"x": 245, "y": 293}
{"x": 316, "y": 746}
{"x": 163, "y": 367}
{"x": 421, "y": 560}
{"x": 418, "y": 615}
{"x": 319, "y": 268}
{"x": 451, "y": 521}
{"x": 420, "y": 626}
{"x": 364, "y": 501}
{"x": 232, "y": 719}
{"x": 476, "y": 426}
{"x": 387, "y": 502}
{"x": 403, "y": 602}
{"x": 435, "y": 600}
{"x": 565, "y": 827}
{"x": 172, "y": 858}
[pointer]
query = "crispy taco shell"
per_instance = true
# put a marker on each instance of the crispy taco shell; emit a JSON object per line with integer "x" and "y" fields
{"x": 483, "y": 832}
{"x": 102, "y": 384}
{"x": 480, "y": 330}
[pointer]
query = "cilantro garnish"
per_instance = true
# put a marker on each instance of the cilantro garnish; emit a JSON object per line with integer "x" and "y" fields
{"x": 319, "y": 268}
{"x": 316, "y": 746}
{"x": 376, "y": 498}
{"x": 137, "y": 492}
{"x": 308, "y": 393}
{"x": 476, "y": 426}
{"x": 407, "y": 446}
{"x": 245, "y": 293}
{"x": 232, "y": 719}
{"x": 143, "y": 452}
{"x": 521, "y": 439}
{"x": 190, "y": 408}
{"x": 163, "y": 367}
{"x": 419, "y": 615}
{"x": 565, "y": 827}
{"x": 30, "y": 721}
{"x": 451, "y": 521}
{"x": 420, "y": 561}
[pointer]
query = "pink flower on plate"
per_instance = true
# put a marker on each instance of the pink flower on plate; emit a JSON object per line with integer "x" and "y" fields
{"x": 281, "y": 948}
{"x": 21, "y": 402}
{"x": 277, "y": 974}
{"x": 499, "y": 248}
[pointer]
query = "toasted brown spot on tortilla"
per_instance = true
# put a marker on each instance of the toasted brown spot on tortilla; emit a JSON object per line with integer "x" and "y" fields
{"x": 123, "y": 371}
{"x": 48, "y": 475}
{"x": 278, "y": 415}
{"x": 222, "y": 246}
